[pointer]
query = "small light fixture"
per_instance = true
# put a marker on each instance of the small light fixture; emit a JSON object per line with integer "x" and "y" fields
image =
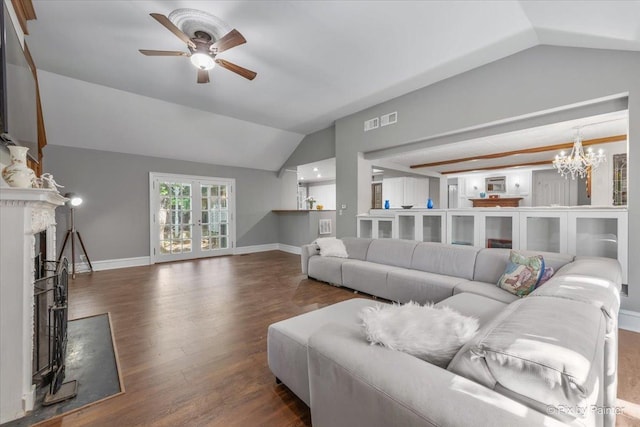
{"x": 319, "y": 176}
{"x": 302, "y": 178}
{"x": 74, "y": 199}
{"x": 202, "y": 61}
{"x": 315, "y": 169}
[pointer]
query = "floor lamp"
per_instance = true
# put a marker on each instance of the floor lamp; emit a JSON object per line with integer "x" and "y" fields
{"x": 73, "y": 202}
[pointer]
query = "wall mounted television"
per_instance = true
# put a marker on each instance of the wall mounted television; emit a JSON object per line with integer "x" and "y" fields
{"x": 18, "y": 99}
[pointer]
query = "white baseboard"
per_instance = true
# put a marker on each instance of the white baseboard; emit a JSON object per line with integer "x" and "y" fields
{"x": 268, "y": 247}
{"x": 629, "y": 320}
{"x": 256, "y": 248}
{"x": 296, "y": 250}
{"x": 111, "y": 264}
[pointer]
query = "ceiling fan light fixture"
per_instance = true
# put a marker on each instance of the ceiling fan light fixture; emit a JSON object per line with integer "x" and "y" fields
{"x": 202, "y": 61}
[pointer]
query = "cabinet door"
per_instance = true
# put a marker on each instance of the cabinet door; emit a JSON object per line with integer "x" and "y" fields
{"x": 602, "y": 234}
{"x": 543, "y": 231}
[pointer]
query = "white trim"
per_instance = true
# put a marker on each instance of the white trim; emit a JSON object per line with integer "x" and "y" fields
{"x": 111, "y": 264}
{"x": 256, "y": 248}
{"x": 629, "y": 320}
{"x": 296, "y": 250}
{"x": 154, "y": 250}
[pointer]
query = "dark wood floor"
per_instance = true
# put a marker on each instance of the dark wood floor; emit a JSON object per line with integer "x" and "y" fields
{"x": 191, "y": 337}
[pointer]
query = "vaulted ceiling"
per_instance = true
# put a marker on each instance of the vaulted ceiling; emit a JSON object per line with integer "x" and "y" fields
{"x": 317, "y": 61}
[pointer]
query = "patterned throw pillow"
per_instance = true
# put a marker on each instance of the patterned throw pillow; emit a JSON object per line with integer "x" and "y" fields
{"x": 546, "y": 275}
{"x": 522, "y": 274}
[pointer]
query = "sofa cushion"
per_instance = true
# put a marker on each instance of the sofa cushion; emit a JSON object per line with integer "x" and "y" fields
{"x": 548, "y": 361}
{"x": 357, "y": 247}
{"x": 326, "y": 269}
{"x": 391, "y": 252}
{"x": 603, "y": 268}
{"x": 287, "y": 341}
{"x": 488, "y": 290}
{"x": 366, "y": 276}
{"x": 482, "y": 308}
{"x": 522, "y": 274}
{"x": 491, "y": 263}
{"x": 419, "y": 286}
{"x": 440, "y": 258}
{"x": 601, "y": 293}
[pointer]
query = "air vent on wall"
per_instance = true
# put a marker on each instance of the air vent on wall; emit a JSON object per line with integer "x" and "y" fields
{"x": 371, "y": 124}
{"x": 324, "y": 226}
{"x": 389, "y": 119}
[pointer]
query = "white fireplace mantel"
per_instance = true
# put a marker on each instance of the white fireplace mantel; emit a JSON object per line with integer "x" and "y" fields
{"x": 23, "y": 213}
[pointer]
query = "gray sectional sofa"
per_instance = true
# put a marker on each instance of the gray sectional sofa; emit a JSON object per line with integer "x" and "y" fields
{"x": 546, "y": 359}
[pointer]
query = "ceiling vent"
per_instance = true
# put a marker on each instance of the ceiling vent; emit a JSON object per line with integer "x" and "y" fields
{"x": 389, "y": 119}
{"x": 371, "y": 124}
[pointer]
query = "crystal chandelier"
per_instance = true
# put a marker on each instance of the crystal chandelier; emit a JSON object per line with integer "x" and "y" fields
{"x": 578, "y": 162}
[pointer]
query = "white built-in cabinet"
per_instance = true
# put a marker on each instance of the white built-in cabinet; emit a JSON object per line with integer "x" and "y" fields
{"x": 544, "y": 230}
{"x": 376, "y": 227}
{"x": 402, "y": 191}
{"x": 581, "y": 232}
{"x": 426, "y": 226}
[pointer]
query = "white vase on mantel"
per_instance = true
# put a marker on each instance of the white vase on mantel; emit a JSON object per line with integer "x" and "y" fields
{"x": 18, "y": 174}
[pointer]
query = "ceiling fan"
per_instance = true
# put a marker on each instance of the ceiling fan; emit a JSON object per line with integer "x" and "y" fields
{"x": 203, "y": 50}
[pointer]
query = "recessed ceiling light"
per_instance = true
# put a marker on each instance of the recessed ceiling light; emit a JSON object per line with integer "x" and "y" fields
{"x": 319, "y": 176}
{"x": 315, "y": 169}
{"x": 302, "y": 178}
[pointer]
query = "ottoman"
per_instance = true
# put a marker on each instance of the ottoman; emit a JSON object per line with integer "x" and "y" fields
{"x": 287, "y": 341}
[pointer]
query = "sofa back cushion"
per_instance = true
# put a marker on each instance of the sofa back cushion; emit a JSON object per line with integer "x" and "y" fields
{"x": 546, "y": 349}
{"x": 602, "y": 268}
{"x": 600, "y": 293}
{"x": 450, "y": 260}
{"x": 491, "y": 263}
{"x": 356, "y": 247}
{"x": 391, "y": 252}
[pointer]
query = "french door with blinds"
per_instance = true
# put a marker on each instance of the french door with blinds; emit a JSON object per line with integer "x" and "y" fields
{"x": 191, "y": 217}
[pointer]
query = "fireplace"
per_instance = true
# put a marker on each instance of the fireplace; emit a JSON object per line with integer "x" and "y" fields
{"x": 28, "y": 237}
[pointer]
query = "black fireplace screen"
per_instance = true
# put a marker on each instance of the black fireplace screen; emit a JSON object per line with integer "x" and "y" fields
{"x": 50, "y": 324}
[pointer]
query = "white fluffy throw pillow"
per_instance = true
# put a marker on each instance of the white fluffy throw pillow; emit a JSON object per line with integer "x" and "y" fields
{"x": 433, "y": 334}
{"x": 330, "y": 246}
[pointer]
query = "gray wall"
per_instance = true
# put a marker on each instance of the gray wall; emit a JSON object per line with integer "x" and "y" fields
{"x": 533, "y": 81}
{"x": 114, "y": 219}
{"x": 316, "y": 146}
{"x": 301, "y": 228}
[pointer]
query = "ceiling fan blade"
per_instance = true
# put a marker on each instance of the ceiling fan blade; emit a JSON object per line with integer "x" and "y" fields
{"x": 171, "y": 27}
{"x": 247, "y": 74}
{"x": 162, "y": 52}
{"x": 232, "y": 39}
{"x": 203, "y": 76}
